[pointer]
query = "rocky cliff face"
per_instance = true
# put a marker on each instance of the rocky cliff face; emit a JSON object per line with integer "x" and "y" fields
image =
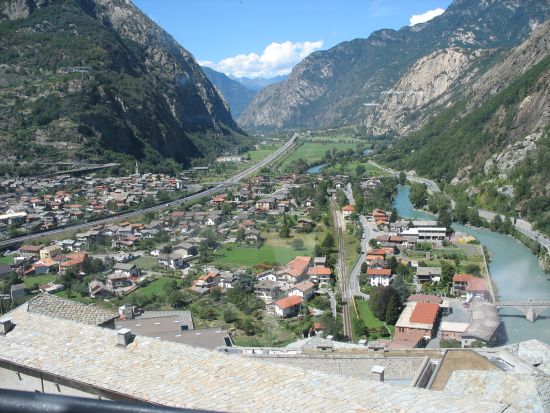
{"x": 342, "y": 85}
{"x": 98, "y": 75}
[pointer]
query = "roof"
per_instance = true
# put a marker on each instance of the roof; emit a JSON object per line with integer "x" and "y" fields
{"x": 348, "y": 208}
{"x": 453, "y": 326}
{"x": 476, "y": 284}
{"x": 485, "y": 320}
{"x": 123, "y": 266}
{"x": 62, "y": 308}
{"x": 289, "y": 302}
{"x": 173, "y": 374}
{"x": 425, "y": 298}
{"x": 30, "y": 248}
{"x": 304, "y": 286}
{"x": 380, "y": 272}
{"x": 319, "y": 270}
{"x": 424, "y": 313}
{"x": 298, "y": 265}
{"x": 462, "y": 277}
{"x": 428, "y": 271}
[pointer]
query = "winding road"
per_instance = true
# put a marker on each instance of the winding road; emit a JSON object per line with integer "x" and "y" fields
{"x": 207, "y": 192}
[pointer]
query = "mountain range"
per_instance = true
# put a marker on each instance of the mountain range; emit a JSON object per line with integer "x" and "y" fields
{"x": 353, "y": 83}
{"x": 98, "y": 80}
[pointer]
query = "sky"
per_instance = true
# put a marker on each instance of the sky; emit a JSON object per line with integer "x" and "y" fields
{"x": 266, "y": 38}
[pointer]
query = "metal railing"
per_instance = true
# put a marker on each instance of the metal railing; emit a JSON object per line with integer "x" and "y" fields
{"x": 14, "y": 401}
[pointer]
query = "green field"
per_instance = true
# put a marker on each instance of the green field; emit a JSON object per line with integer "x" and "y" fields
{"x": 350, "y": 168}
{"x": 367, "y": 316}
{"x": 39, "y": 279}
{"x": 156, "y": 287}
{"x": 145, "y": 262}
{"x": 250, "y": 256}
{"x": 311, "y": 151}
{"x": 6, "y": 260}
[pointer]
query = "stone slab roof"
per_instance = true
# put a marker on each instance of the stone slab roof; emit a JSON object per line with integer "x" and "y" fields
{"x": 62, "y": 308}
{"x": 172, "y": 374}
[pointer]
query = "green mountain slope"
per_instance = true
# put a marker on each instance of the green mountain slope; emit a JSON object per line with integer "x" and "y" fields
{"x": 139, "y": 95}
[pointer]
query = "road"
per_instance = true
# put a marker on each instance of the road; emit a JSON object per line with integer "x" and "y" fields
{"x": 341, "y": 268}
{"x": 521, "y": 225}
{"x": 207, "y": 192}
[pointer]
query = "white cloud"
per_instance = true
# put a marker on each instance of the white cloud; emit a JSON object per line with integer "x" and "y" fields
{"x": 276, "y": 59}
{"x": 424, "y": 17}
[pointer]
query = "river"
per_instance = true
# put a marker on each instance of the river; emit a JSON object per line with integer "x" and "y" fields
{"x": 514, "y": 270}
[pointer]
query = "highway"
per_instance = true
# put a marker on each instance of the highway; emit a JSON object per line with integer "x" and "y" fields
{"x": 521, "y": 225}
{"x": 207, "y": 192}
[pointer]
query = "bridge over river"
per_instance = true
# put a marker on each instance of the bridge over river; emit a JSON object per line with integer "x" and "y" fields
{"x": 530, "y": 308}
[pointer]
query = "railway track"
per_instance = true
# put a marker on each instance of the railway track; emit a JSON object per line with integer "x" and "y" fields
{"x": 343, "y": 273}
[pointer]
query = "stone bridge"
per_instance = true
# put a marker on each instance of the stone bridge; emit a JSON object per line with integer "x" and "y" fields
{"x": 530, "y": 308}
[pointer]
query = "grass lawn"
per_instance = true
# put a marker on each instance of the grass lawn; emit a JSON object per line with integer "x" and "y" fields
{"x": 250, "y": 256}
{"x": 145, "y": 262}
{"x": 274, "y": 335}
{"x": 75, "y": 297}
{"x": 367, "y": 316}
{"x": 39, "y": 279}
{"x": 311, "y": 151}
{"x": 6, "y": 260}
{"x": 154, "y": 287}
{"x": 350, "y": 168}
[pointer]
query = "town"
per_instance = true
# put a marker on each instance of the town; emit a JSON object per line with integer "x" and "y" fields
{"x": 262, "y": 261}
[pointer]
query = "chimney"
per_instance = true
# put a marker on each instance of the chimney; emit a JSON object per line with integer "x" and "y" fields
{"x": 5, "y": 327}
{"x": 378, "y": 371}
{"x": 124, "y": 337}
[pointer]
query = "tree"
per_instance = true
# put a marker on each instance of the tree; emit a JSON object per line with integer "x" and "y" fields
{"x": 418, "y": 195}
{"x": 328, "y": 242}
{"x": 284, "y": 232}
{"x": 297, "y": 244}
{"x": 341, "y": 198}
{"x": 444, "y": 219}
{"x": 447, "y": 272}
{"x": 507, "y": 226}
{"x": 393, "y": 216}
{"x": 401, "y": 287}
{"x": 474, "y": 218}
{"x": 402, "y": 178}
{"x": 461, "y": 212}
{"x": 496, "y": 224}
{"x": 393, "y": 310}
{"x": 229, "y": 316}
{"x": 241, "y": 233}
{"x": 379, "y": 300}
{"x": 360, "y": 170}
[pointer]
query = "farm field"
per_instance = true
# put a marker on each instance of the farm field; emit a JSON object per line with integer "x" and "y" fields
{"x": 312, "y": 151}
{"x": 145, "y": 262}
{"x": 38, "y": 279}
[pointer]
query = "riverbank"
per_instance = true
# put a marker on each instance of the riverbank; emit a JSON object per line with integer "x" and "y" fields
{"x": 514, "y": 271}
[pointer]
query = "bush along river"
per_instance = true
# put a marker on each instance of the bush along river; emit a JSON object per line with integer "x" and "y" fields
{"x": 515, "y": 273}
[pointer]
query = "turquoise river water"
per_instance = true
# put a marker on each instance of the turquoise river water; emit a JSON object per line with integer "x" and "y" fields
{"x": 514, "y": 270}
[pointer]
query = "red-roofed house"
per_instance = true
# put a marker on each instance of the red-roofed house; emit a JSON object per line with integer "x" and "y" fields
{"x": 416, "y": 322}
{"x": 469, "y": 285}
{"x": 379, "y": 276}
{"x": 320, "y": 274}
{"x": 288, "y": 306}
{"x": 347, "y": 211}
{"x": 305, "y": 289}
{"x": 74, "y": 261}
{"x": 295, "y": 271}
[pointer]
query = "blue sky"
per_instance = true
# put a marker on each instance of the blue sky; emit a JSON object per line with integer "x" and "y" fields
{"x": 268, "y": 37}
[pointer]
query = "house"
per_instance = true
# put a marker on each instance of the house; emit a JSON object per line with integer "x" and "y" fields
{"x": 173, "y": 261}
{"x": 304, "y": 289}
{"x": 321, "y": 275}
{"x": 17, "y": 291}
{"x": 45, "y": 266}
{"x": 74, "y": 261}
{"x": 319, "y": 261}
{"x": 51, "y": 287}
{"x": 295, "y": 271}
{"x": 470, "y": 286}
{"x": 425, "y": 298}
{"x": 208, "y": 280}
{"x": 99, "y": 290}
{"x": 186, "y": 249}
{"x": 227, "y": 280}
{"x": 428, "y": 274}
{"x": 127, "y": 268}
{"x": 219, "y": 200}
{"x": 452, "y": 330}
{"x": 288, "y": 306}
{"x": 379, "y": 276}
{"x": 417, "y": 321}
{"x": 50, "y": 251}
{"x": 347, "y": 211}
{"x": 265, "y": 204}
{"x": 267, "y": 290}
{"x": 118, "y": 280}
{"x": 30, "y": 251}
{"x": 252, "y": 235}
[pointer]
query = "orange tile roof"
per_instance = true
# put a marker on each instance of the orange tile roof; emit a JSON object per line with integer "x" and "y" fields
{"x": 298, "y": 265}
{"x": 424, "y": 313}
{"x": 319, "y": 270}
{"x": 384, "y": 272}
{"x": 380, "y": 251}
{"x": 463, "y": 278}
{"x": 476, "y": 284}
{"x": 289, "y": 301}
{"x": 304, "y": 286}
{"x": 348, "y": 208}
{"x": 425, "y": 298}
